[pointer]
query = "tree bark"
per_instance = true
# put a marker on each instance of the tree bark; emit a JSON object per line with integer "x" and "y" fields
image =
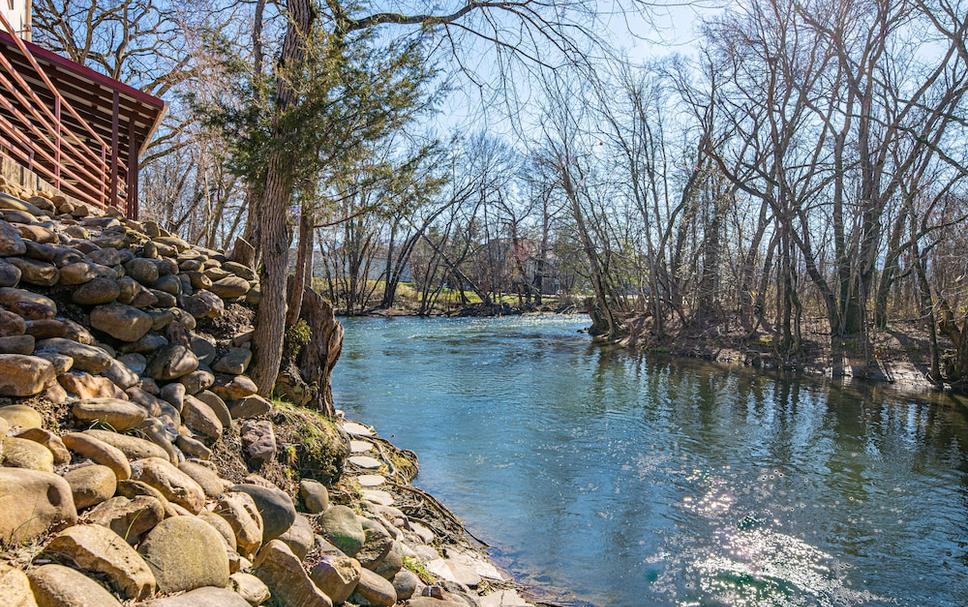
{"x": 270, "y": 320}
{"x": 319, "y": 356}
{"x": 304, "y": 267}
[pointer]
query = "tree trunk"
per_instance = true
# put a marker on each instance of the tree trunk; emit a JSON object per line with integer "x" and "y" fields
{"x": 304, "y": 267}
{"x": 317, "y": 359}
{"x": 270, "y": 319}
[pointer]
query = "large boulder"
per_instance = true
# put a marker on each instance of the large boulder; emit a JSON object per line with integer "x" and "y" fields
{"x": 21, "y": 416}
{"x": 222, "y": 526}
{"x": 337, "y": 576}
{"x": 121, "y": 321}
{"x": 49, "y": 440}
{"x": 314, "y": 496}
{"x": 77, "y": 273}
{"x": 99, "y": 550}
{"x": 9, "y": 274}
{"x": 340, "y": 526}
{"x": 230, "y": 287}
{"x": 91, "y": 485}
{"x": 197, "y": 381}
{"x": 86, "y": 357}
{"x": 288, "y": 582}
{"x": 85, "y": 386}
{"x": 185, "y": 553}
{"x": 175, "y": 485}
{"x": 201, "y": 597}
{"x": 200, "y": 418}
{"x": 90, "y": 446}
{"x": 250, "y": 406}
{"x": 31, "y": 502}
{"x": 22, "y": 375}
{"x": 249, "y": 587}
{"x": 276, "y": 508}
{"x": 129, "y": 518}
{"x": 28, "y": 304}
{"x": 15, "y": 588}
{"x": 374, "y": 591}
{"x": 101, "y": 290}
{"x": 59, "y": 586}
{"x": 23, "y": 453}
{"x": 171, "y": 362}
{"x": 11, "y": 324}
{"x": 118, "y": 414}
{"x": 258, "y": 442}
{"x": 143, "y": 270}
{"x": 218, "y": 406}
{"x": 11, "y": 242}
{"x": 242, "y": 514}
{"x": 131, "y": 446}
{"x": 234, "y": 387}
{"x": 35, "y": 272}
{"x": 406, "y": 583}
{"x": 207, "y": 479}
{"x": 234, "y": 361}
{"x": 204, "y": 304}
{"x": 300, "y": 537}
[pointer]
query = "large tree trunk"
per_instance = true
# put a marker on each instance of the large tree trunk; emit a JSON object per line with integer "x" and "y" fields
{"x": 319, "y": 356}
{"x": 270, "y": 319}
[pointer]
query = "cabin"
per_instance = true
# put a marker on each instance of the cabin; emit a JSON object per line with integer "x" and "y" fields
{"x": 76, "y": 129}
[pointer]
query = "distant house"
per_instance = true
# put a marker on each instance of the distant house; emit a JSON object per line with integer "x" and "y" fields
{"x": 17, "y": 13}
{"x": 79, "y": 131}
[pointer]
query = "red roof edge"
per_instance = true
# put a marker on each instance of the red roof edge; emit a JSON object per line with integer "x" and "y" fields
{"x": 51, "y": 57}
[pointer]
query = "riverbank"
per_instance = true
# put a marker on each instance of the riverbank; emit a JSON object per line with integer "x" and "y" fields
{"x": 470, "y": 311}
{"x": 380, "y": 475}
{"x": 897, "y": 356}
{"x": 139, "y": 466}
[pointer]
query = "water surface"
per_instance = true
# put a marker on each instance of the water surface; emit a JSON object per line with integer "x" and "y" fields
{"x": 623, "y": 481}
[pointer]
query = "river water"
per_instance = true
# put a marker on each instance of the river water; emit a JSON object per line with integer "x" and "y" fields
{"x": 618, "y": 480}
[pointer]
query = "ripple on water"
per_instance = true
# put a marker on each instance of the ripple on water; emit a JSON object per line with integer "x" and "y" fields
{"x": 756, "y": 567}
{"x": 633, "y": 482}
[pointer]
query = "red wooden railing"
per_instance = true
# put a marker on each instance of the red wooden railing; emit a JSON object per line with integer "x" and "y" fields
{"x": 82, "y": 165}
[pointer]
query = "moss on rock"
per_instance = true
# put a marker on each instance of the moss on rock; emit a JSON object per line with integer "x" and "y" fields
{"x": 314, "y": 445}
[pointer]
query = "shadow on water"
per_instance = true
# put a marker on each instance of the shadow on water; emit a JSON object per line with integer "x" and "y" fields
{"x": 631, "y": 480}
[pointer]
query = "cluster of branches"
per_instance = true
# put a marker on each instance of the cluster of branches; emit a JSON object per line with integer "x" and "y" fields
{"x": 806, "y": 169}
{"x": 481, "y": 228}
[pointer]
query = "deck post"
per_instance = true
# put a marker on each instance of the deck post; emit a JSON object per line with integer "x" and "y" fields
{"x": 131, "y": 189}
{"x": 115, "y": 110}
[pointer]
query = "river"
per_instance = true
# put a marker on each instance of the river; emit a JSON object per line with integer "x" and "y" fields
{"x": 614, "y": 479}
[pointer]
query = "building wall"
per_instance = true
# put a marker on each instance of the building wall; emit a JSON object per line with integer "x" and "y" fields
{"x": 14, "y": 173}
{"x": 17, "y": 13}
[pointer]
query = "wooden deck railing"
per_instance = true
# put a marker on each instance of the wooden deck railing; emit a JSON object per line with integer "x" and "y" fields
{"x": 82, "y": 165}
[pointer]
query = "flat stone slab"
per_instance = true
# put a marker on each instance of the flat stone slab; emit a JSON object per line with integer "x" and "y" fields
{"x": 366, "y": 462}
{"x": 477, "y": 564}
{"x": 453, "y": 571}
{"x": 355, "y": 429}
{"x": 503, "y": 598}
{"x": 370, "y": 480}
{"x": 360, "y": 446}
{"x": 378, "y": 496}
